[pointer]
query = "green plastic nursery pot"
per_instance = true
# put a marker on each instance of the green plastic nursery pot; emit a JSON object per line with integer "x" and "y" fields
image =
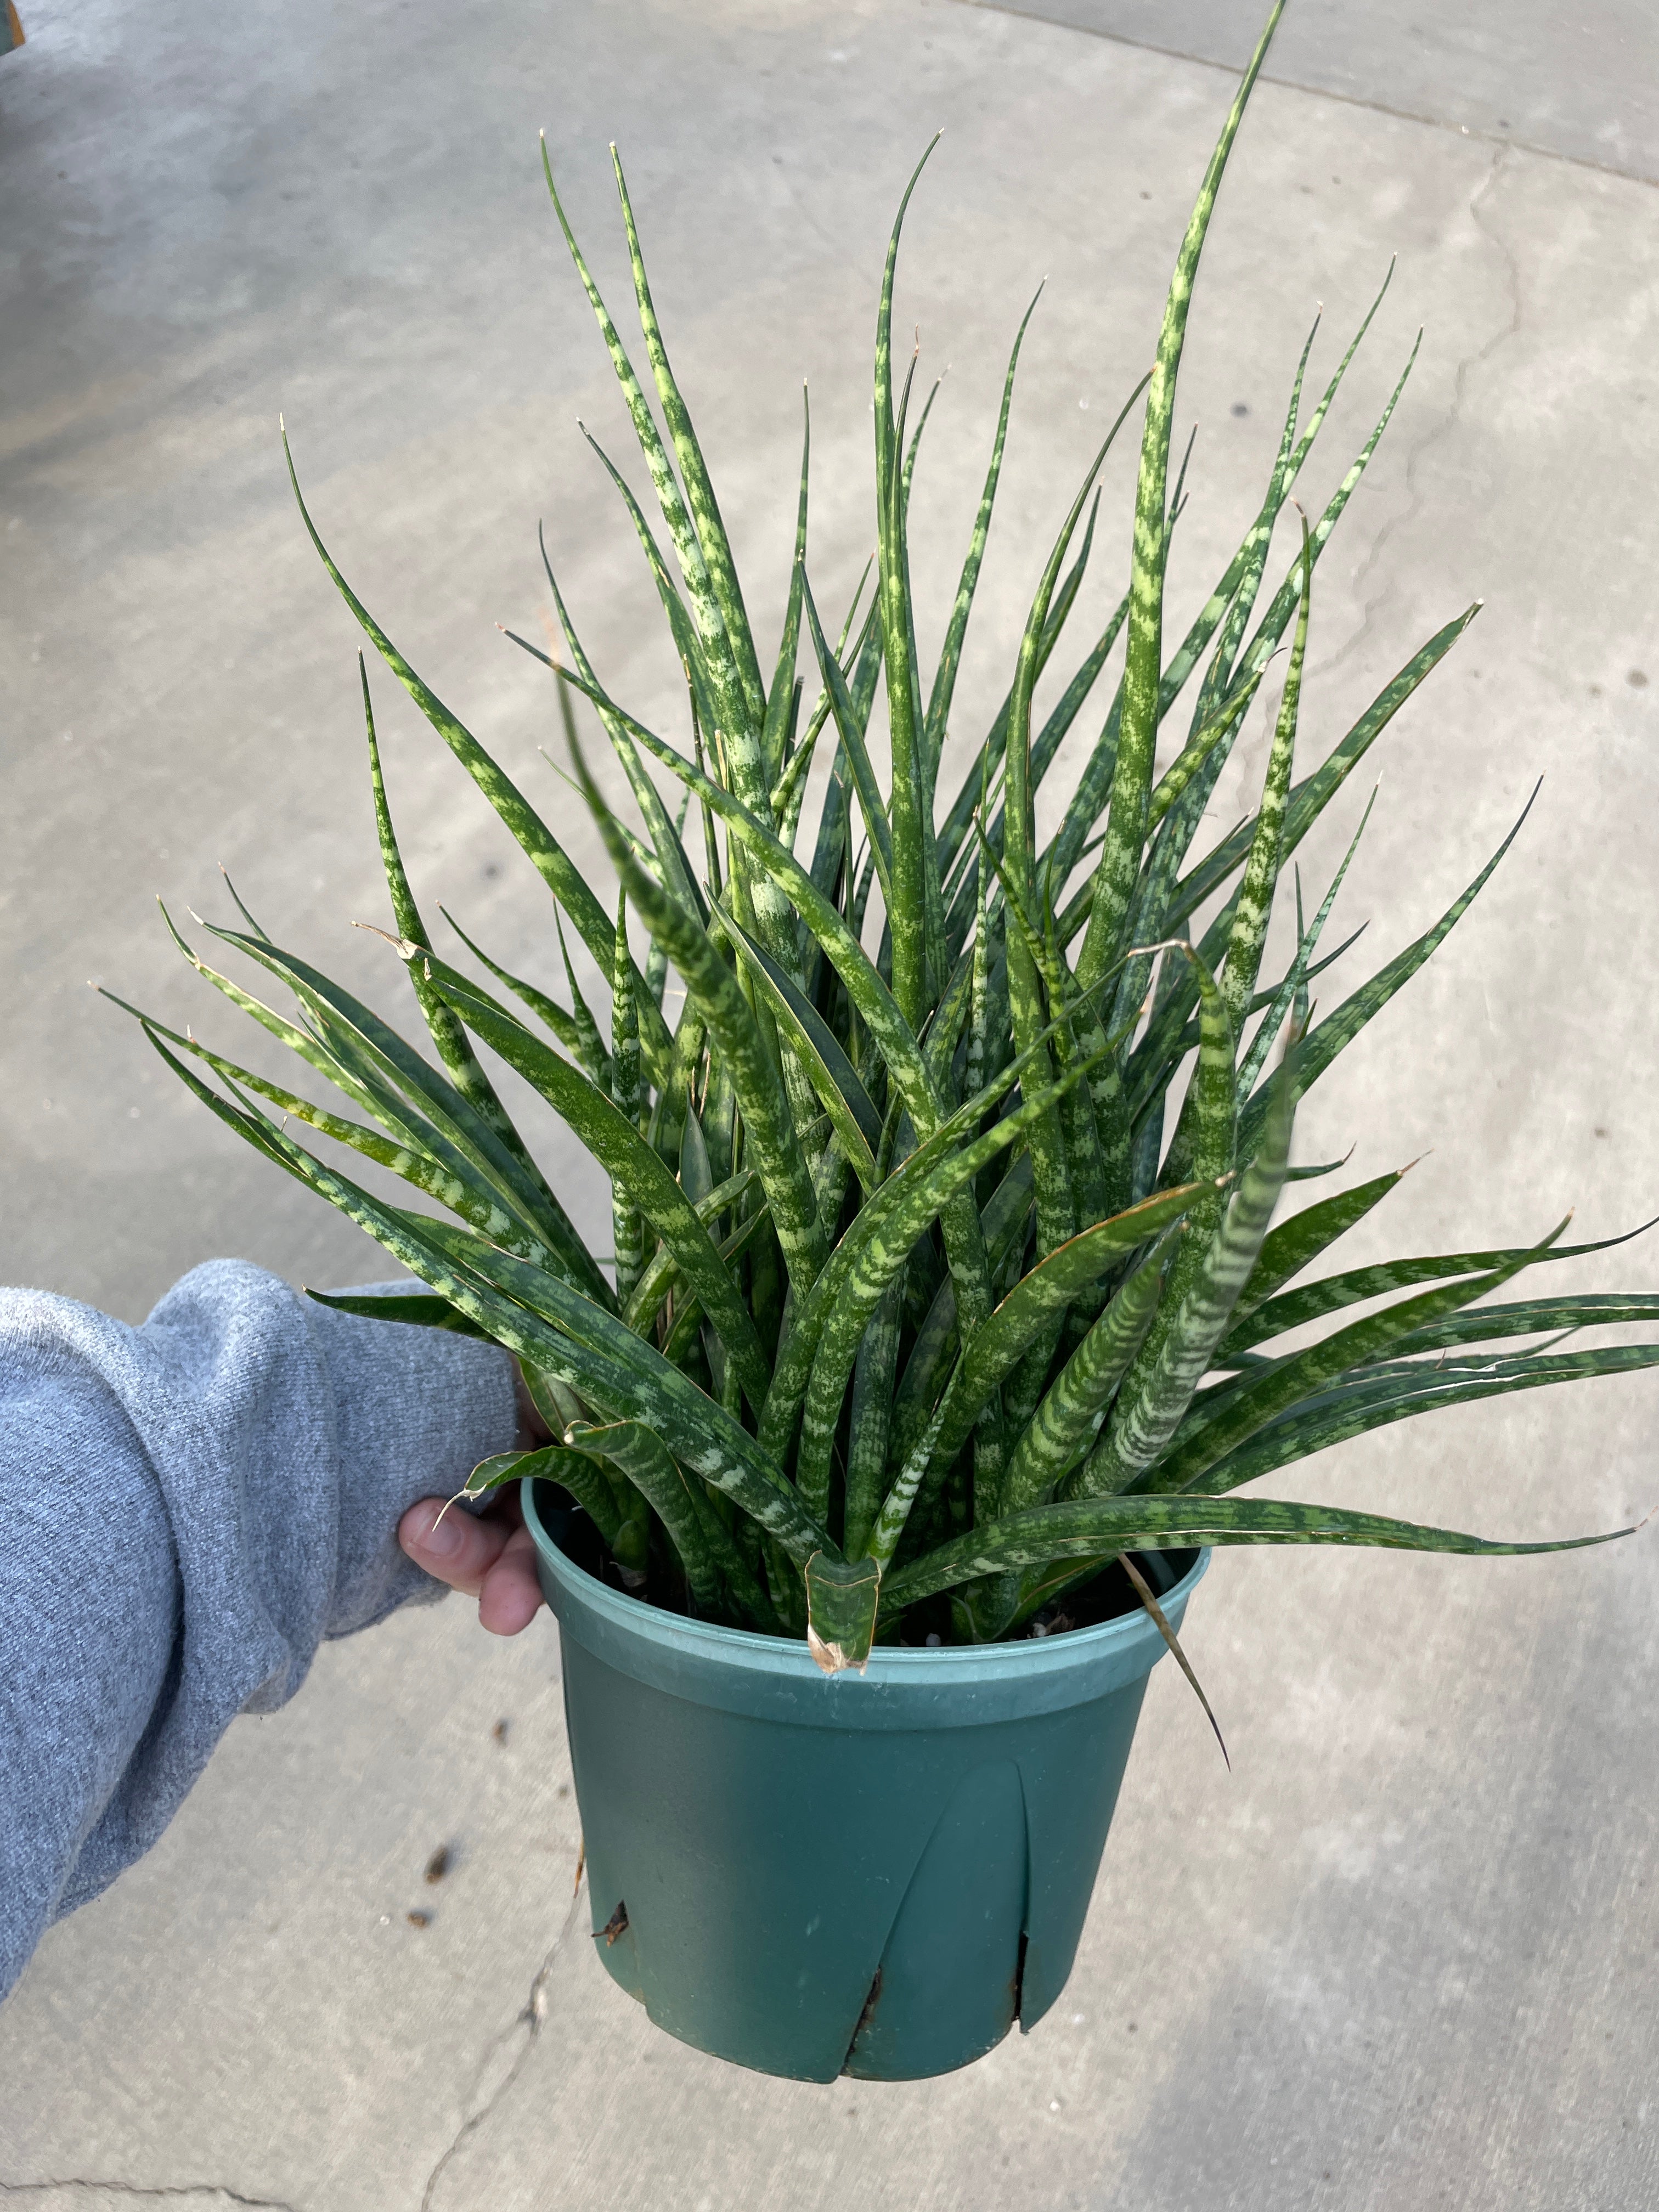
{"x": 813, "y": 1875}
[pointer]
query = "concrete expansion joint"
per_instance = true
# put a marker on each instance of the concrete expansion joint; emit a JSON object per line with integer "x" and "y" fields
{"x": 526, "y": 2024}
{"x": 1035, "y": 12}
{"x": 205, "y": 2193}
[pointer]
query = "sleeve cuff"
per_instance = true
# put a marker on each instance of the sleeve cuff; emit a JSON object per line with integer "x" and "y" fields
{"x": 415, "y": 1410}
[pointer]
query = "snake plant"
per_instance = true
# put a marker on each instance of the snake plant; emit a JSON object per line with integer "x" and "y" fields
{"x": 945, "y": 1271}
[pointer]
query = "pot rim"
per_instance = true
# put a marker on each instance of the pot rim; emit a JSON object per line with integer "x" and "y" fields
{"x": 742, "y": 1666}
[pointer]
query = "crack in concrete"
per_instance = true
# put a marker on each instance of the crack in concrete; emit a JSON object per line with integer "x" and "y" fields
{"x": 176, "y": 2190}
{"x": 526, "y": 2026}
{"x": 1441, "y": 430}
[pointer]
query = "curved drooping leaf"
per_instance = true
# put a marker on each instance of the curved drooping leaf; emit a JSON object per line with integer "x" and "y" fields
{"x": 1286, "y": 1250}
{"x": 1358, "y": 1409}
{"x": 547, "y": 1010}
{"x": 418, "y": 1309}
{"x": 1210, "y": 1437}
{"x": 1084, "y": 1528}
{"x": 382, "y": 1062}
{"x": 586, "y": 1483}
{"x": 1339, "y": 1029}
{"x": 539, "y": 1317}
{"x": 639, "y": 1454}
{"x": 1269, "y": 1316}
{"x": 537, "y": 842}
{"x": 416, "y": 1152}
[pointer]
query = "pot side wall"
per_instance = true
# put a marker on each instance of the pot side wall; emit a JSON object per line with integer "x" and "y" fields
{"x": 874, "y": 1875}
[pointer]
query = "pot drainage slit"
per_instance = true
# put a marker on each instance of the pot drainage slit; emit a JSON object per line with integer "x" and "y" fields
{"x": 864, "y": 2018}
{"x": 616, "y": 1926}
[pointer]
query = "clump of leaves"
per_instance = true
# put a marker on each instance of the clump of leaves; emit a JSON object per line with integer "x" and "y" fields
{"x": 935, "y": 1290}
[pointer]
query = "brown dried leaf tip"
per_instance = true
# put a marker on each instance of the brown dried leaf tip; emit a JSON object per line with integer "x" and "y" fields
{"x": 831, "y": 1657}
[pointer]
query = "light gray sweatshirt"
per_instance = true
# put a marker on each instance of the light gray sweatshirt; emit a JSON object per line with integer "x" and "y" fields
{"x": 190, "y": 1507}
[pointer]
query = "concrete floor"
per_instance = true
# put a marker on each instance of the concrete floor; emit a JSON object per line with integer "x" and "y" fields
{"x": 1407, "y": 1954}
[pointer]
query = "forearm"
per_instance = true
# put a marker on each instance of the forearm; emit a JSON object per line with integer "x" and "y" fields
{"x": 191, "y": 1507}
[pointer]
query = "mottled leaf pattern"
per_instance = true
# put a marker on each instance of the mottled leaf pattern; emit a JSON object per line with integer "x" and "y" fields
{"x": 943, "y": 1160}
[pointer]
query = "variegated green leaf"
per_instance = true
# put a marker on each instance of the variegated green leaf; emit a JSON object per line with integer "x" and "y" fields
{"x": 385, "y": 1064}
{"x": 857, "y": 1124}
{"x": 1339, "y": 1028}
{"x": 955, "y": 629}
{"x": 699, "y": 489}
{"x": 1084, "y": 1528}
{"x": 1359, "y": 1409}
{"x": 754, "y": 1077}
{"x": 1158, "y": 1389}
{"x": 546, "y": 1322}
{"x": 1209, "y": 1435}
{"x": 639, "y": 1454}
{"x": 417, "y": 1308}
{"x": 1047, "y": 1291}
{"x": 1131, "y": 782}
{"x": 547, "y": 856}
{"x": 613, "y": 1138}
{"x": 1309, "y": 1233}
{"x": 1068, "y": 1421}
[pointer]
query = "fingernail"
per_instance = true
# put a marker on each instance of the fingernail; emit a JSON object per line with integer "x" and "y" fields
{"x": 444, "y": 1538}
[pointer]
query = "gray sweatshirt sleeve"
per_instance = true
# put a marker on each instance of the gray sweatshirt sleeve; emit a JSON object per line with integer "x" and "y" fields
{"x": 190, "y": 1507}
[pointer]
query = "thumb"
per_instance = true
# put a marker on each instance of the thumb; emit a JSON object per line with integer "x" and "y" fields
{"x": 453, "y": 1547}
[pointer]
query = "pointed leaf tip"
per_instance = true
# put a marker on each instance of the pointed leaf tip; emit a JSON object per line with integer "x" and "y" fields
{"x": 405, "y": 947}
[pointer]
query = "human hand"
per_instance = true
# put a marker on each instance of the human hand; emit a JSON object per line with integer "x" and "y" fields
{"x": 488, "y": 1555}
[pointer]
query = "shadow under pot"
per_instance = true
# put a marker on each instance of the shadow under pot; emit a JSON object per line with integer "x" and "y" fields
{"x": 809, "y": 1874}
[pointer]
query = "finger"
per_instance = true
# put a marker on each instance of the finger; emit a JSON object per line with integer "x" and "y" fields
{"x": 511, "y": 1596}
{"x": 456, "y": 1548}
